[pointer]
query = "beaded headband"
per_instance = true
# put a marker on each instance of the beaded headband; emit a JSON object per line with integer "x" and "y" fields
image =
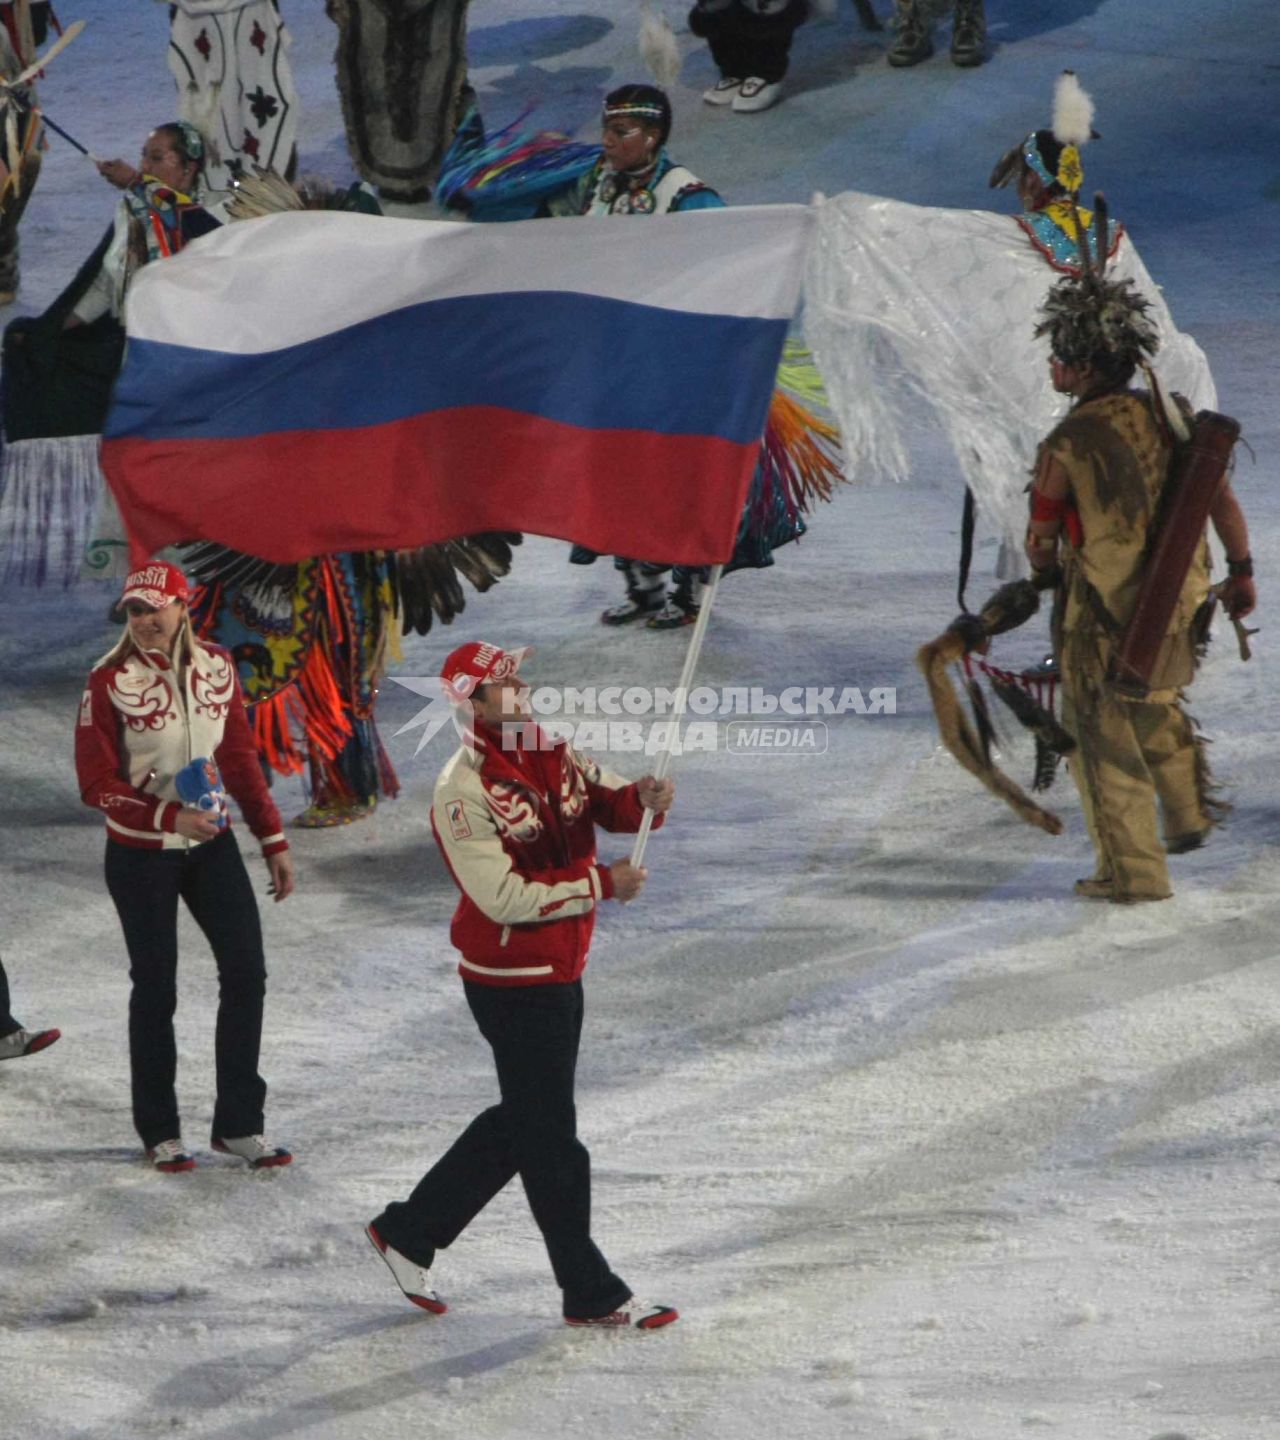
{"x": 635, "y": 107}
{"x": 192, "y": 140}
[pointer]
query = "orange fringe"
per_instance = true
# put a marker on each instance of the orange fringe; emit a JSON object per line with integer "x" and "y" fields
{"x": 310, "y": 705}
{"x": 812, "y": 448}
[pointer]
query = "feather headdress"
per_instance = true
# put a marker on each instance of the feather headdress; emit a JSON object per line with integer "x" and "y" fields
{"x": 1072, "y": 127}
{"x": 1072, "y": 111}
{"x": 1053, "y": 155}
{"x": 1091, "y": 320}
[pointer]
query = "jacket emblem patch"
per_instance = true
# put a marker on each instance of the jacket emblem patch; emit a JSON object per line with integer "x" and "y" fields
{"x": 459, "y": 827}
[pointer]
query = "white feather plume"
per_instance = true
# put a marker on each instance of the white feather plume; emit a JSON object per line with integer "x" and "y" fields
{"x": 1072, "y": 111}
{"x": 658, "y": 48}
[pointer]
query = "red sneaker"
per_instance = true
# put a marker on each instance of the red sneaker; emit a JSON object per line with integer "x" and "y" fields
{"x": 255, "y": 1150}
{"x": 411, "y": 1277}
{"x": 171, "y": 1157}
{"x": 636, "y": 1313}
{"x": 26, "y": 1042}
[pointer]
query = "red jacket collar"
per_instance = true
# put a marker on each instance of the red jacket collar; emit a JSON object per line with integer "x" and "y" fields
{"x": 522, "y": 762}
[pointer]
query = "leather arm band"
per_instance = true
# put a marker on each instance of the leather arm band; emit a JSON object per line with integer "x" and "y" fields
{"x": 1241, "y": 569}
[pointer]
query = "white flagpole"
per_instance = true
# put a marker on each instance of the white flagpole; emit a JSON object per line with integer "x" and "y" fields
{"x": 682, "y": 699}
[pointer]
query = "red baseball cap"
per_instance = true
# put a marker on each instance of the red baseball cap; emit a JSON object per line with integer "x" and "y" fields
{"x": 478, "y": 663}
{"x": 157, "y": 584}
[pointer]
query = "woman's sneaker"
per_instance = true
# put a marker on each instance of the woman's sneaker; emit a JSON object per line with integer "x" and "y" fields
{"x": 171, "y": 1157}
{"x": 255, "y": 1150}
{"x": 638, "y": 1314}
{"x": 412, "y": 1278}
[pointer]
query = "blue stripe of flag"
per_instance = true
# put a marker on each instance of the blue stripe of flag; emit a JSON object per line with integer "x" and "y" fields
{"x": 597, "y": 362}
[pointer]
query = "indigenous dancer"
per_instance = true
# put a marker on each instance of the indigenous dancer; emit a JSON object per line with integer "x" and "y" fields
{"x": 229, "y": 60}
{"x": 1100, "y": 481}
{"x": 163, "y": 207}
{"x": 312, "y": 641}
{"x": 402, "y": 78}
{"x": 750, "y": 41}
{"x": 907, "y": 304}
{"x": 22, "y": 27}
{"x": 635, "y": 176}
{"x": 913, "y": 20}
{"x": 56, "y": 511}
{"x": 513, "y": 176}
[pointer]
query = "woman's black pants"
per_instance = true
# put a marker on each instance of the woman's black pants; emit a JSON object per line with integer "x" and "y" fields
{"x": 532, "y": 1132}
{"x": 211, "y": 880}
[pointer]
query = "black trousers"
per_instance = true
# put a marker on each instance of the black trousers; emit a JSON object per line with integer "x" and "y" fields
{"x": 743, "y": 43}
{"x": 534, "y": 1032}
{"x": 211, "y": 880}
{"x": 7, "y": 1023}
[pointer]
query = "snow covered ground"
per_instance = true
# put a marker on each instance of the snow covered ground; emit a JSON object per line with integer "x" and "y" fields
{"x": 920, "y": 1145}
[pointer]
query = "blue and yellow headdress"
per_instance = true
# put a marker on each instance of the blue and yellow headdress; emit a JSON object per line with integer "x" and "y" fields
{"x": 1053, "y": 156}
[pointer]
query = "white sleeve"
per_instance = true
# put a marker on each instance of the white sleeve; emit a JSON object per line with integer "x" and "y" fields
{"x": 469, "y": 838}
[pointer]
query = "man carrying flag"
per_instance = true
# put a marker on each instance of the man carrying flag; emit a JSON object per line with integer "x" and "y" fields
{"x": 514, "y": 816}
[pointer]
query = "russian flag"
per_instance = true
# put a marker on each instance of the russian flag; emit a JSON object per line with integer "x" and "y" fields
{"x": 309, "y": 383}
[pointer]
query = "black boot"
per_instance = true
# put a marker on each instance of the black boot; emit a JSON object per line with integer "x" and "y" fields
{"x": 969, "y": 35}
{"x": 681, "y": 608}
{"x": 644, "y": 595}
{"x": 914, "y": 42}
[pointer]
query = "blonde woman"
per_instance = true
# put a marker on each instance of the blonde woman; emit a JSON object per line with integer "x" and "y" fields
{"x": 159, "y": 700}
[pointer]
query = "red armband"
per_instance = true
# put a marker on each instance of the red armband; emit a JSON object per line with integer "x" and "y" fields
{"x": 1044, "y": 507}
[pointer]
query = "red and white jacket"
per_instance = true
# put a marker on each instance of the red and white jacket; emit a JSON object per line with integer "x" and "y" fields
{"x": 138, "y": 727}
{"x": 517, "y": 830}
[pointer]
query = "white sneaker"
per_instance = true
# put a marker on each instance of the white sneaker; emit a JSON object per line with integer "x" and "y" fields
{"x": 756, "y": 94}
{"x": 26, "y": 1042}
{"x": 722, "y": 92}
{"x": 638, "y": 1314}
{"x": 171, "y": 1157}
{"x": 410, "y": 1276}
{"x": 255, "y": 1150}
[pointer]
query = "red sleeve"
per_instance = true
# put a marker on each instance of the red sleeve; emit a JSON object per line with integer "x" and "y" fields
{"x": 619, "y": 811}
{"x": 237, "y": 761}
{"x": 100, "y": 764}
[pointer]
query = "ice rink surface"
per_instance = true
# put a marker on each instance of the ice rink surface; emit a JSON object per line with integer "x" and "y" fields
{"x": 922, "y": 1147}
